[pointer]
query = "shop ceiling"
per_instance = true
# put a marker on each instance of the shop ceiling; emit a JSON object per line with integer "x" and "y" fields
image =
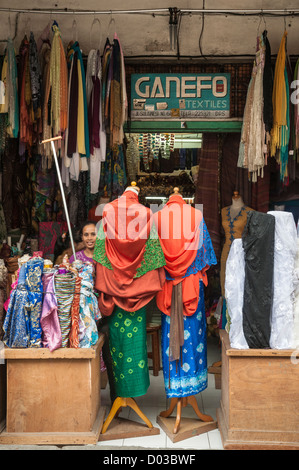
{"x": 156, "y": 30}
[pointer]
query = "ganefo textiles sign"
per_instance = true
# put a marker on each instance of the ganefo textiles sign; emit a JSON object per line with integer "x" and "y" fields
{"x": 180, "y": 96}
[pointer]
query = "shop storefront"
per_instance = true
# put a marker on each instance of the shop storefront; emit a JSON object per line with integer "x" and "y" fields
{"x": 222, "y": 136}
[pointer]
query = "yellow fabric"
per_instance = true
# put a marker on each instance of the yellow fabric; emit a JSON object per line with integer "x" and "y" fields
{"x": 80, "y": 119}
{"x": 279, "y": 97}
{"x": 4, "y": 106}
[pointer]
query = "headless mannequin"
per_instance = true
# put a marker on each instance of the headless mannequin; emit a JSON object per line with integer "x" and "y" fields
{"x": 122, "y": 402}
{"x": 237, "y": 204}
{"x": 182, "y": 402}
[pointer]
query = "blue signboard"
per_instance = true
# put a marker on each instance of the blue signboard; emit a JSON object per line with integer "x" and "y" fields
{"x": 180, "y": 96}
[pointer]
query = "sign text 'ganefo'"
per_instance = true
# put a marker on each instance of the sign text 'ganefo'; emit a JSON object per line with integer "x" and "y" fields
{"x": 180, "y": 96}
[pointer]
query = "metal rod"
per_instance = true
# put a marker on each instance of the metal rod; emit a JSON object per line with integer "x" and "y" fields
{"x": 84, "y": 12}
{"x": 62, "y": 191}
{"x": 285, "y": 12}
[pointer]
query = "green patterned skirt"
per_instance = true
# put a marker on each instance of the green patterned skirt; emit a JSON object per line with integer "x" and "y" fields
{"x": 128, "y": 346}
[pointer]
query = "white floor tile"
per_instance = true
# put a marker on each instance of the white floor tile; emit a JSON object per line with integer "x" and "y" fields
{"x": 200, "y": 442}
{"x": 155, "y": 401}
{"x": 215, "y": 440}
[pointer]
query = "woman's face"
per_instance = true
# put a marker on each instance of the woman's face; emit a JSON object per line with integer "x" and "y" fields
{"x": 89, "y": 236}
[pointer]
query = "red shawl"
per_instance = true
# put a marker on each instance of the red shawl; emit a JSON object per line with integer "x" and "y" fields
{"x": 178, "y": 226}
{"x": 127, "y": 225}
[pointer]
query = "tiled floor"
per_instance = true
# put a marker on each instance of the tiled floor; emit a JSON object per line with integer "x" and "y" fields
{"x": 155, "y": 401}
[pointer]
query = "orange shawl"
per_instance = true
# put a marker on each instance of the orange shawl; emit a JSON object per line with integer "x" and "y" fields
{"x": 178, "y": 226}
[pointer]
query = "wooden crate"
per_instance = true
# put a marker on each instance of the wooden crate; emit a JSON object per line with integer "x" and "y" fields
{"x": 259, "y": 398}
{"x": 2, "y": 394}
{"x": 53, "y": 397}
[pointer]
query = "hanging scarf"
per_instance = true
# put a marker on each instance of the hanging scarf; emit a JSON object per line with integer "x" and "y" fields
{"x": 58, "y": 83}
{"x": 35, "y": 77}
{"x": 280, "y": 132}
{"x": 12, "y": 97}
{"x": 26, "y": 111}
{"x": 45, "y": 149}
{"x": 78, "y": 91}
{"x": 107, "y": 54}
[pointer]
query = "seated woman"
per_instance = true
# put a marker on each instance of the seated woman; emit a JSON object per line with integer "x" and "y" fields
{"x": 88, "y": 235}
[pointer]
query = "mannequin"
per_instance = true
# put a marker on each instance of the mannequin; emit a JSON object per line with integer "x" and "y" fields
{"x": 129, "y": 273}
{"x": 234, "y": 218}
{"x": 181, "y": 302}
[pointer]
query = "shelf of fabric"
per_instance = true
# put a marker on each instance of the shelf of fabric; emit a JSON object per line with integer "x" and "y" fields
{"x": 53, "y": 397}
{"x": 259, "y": 398}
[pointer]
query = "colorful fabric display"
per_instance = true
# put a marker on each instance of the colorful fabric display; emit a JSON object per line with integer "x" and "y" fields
{"x": 89, "y": 309}
{"x": 188, "y": 254}
{"x": 22, "y": 327}
{"x": 129, "y": 272}
{"x": 52, "y": 338}
{"x": 65, "y": 289}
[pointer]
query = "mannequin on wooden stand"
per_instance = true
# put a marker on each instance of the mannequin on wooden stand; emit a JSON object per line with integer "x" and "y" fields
{"x": 181, "y": 302}
{"x": 126, "y": 283}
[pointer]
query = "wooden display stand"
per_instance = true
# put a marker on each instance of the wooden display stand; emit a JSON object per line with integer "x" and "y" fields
{"x": 181, "y": 428}
{"x": 2, "y": 394}
{"x": 259, "y": 398}
{"x": 53, "y": 397}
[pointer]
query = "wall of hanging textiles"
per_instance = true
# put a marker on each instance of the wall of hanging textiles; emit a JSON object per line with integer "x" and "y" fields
{"x": 270, "y": 120}
{"x": 51, "y": 89}
{"x": 51, "y": 307}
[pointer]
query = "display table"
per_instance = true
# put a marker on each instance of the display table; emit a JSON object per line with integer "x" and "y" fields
{"x": 259, "y": 398}
{"x": 53, "y": 397}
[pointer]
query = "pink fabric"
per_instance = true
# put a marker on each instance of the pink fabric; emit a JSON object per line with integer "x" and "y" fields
{"x": 49, "y": 320}
{"x": 13, "y": 286}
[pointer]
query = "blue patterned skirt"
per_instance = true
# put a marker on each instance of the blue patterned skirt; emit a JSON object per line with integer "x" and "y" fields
{"x": 188, "y": 376}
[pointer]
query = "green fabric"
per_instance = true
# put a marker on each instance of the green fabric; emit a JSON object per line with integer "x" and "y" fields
{"x": 153, "y": 255}
{"x": 128, "y": 347}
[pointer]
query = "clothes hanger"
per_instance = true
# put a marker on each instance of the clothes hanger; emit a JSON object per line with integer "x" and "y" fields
{"x": 96, "y": 21}
{"x": 112, "y": 21}
{"x": 74, "y": 30}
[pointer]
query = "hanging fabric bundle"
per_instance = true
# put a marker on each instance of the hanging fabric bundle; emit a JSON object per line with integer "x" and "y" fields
{"x": 58, "y": 84}
{"x": 26, "y": 112}
{"x": 35, "y": 82}
{"x": 45, "y": 149}
{"x": 280, "y": 133}
{"x": 114, "y": 91}
{"x": 253, "y": 144}
{"x": 296, "y": 113}
{"x": 10, "y": 79}
{"x": 97, "y": 134}
{"x": 77, "y": 135}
